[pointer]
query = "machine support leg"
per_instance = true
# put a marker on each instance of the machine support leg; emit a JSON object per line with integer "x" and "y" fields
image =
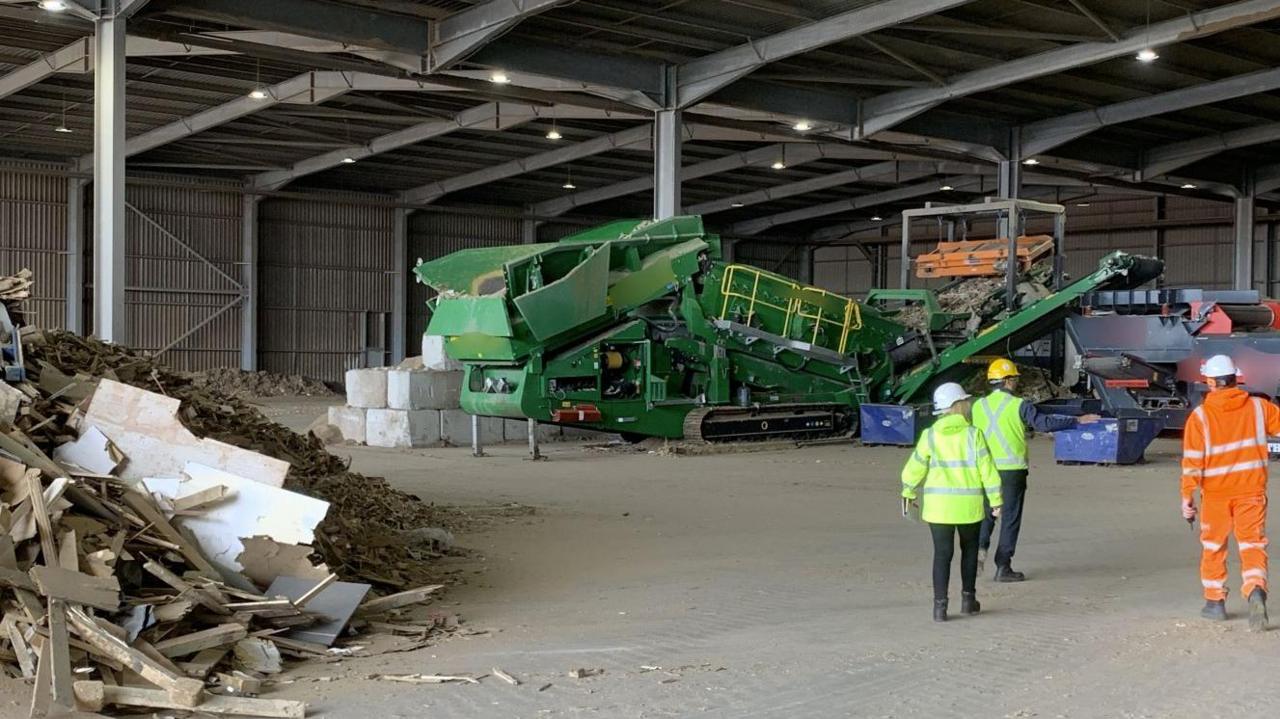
{"x": 534, "y": 452}
{"x": 477, "y": 448}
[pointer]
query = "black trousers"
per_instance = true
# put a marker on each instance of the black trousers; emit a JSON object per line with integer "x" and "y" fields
{"x": 1013, "y": 491}
{"x": 944, "y": 549}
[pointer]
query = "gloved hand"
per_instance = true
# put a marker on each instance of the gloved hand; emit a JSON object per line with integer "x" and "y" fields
{"x": 1088, "y": 418}
{"x": 1188, "y": 508}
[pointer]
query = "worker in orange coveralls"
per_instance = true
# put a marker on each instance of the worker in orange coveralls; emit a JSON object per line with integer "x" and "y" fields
{"x": 1224, "y": 455}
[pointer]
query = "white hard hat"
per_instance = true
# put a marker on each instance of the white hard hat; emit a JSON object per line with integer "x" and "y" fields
{"x": 1219, "y": 366}
{"x": 947, "y": 395}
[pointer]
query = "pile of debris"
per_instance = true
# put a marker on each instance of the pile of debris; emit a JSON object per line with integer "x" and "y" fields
{"x": 155, "y": 539}
{"x": 1034, "y": 384}
{"x": 15, "y": 288}
{"x": 249, "y": 384}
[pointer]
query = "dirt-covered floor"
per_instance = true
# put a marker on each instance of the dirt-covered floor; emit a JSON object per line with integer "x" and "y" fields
{"x": 786, "y": 584}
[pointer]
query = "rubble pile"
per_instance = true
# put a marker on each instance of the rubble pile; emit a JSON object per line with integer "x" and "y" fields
{"x": 249, "y": 384}
{"x": 164, "y": 546}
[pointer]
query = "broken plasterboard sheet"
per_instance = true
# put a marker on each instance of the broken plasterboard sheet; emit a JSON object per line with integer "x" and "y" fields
{"x": 92, "y": 451}
{"x": 264, "y": 559}
{"x": 145, "y": 427}
{"x": 256, "y": 509}
{"x": 335, "y": 604}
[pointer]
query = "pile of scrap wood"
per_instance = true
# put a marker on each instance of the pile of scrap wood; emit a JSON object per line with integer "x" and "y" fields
{"x": 15, "y": 288}
{"x": 160, "y": 545}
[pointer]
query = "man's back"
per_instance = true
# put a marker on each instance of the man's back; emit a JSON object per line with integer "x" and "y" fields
{"x": 1225, "y": 442}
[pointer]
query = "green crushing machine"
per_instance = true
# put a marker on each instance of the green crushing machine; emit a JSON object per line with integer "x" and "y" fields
{"x": 641, "y": 328}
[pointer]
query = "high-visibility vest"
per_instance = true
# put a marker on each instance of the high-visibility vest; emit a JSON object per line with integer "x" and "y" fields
{"x": 1224, "y": 449}
{"x": 997, "y": 415}
{"x": 951, "y": 466}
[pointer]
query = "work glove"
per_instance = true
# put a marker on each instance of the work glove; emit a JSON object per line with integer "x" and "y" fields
{"x": 1188, "y": 508}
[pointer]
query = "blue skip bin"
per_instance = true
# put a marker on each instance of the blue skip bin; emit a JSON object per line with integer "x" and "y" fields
{"x": 894, "y": 424}
{"x": 1108, "y": 441}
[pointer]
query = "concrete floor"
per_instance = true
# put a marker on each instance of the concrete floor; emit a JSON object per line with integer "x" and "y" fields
{"x": 786, "y": 584}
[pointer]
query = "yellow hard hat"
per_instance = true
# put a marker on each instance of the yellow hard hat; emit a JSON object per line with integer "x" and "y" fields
{"x": 1001, "y": 369}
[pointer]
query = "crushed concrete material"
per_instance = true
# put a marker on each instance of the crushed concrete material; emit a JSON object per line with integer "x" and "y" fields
{"x": 247, "y": 385}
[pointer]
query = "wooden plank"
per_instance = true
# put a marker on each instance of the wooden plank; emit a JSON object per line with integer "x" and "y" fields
{"x": 60, "y": 655}
{"x": 184, "y": 692}
{"x": 42, "y": 694}
{"x": 203, "y": 639}
{"x": 44, "y": 525}
{"x": 204, "y": 662}
{"x": 141, "y": 504}
{"x": 69, "y": 551}
{"x": 16, "y": 579}
{"x": 312, "y": 592}
{"x": 239, "y": 682}
{"x": 96, "y": 695}
{"x": 202, "y": 499}
{"x": 205, "y": 599}
{"x": 100, "y": 592}
{"x": 385, "y": 604}
{"x": 21, "y": 649}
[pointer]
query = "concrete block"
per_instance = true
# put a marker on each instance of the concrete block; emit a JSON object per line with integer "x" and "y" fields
{"x": 515, "y": 430}
{"x": 423, "y": 389}
{"x": 403, "y": 427}
{"x": 550, "y": 432}
{"x": 367, "y": 388}
{"x": 455, "y": 428}
{"x": 350, "y": 421}
{"x": 434, "y": 357}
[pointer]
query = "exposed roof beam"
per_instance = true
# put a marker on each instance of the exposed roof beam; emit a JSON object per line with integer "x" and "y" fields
{"x": 1045, "y": 135}
{"x": 1266, "y": 179}
{"x": 75, "y": 57}
{"x": 468, "y": 30}
{"x": 812, "y": 184}
{"x": 358, "y": 26}
{"x": 635, "y": 138}
{"x": 1166, "y": 159}
{"x": 885, "y": 111}
{"x": 495, "y": 115}
{"x": 307, "y": 88}
{"x": 1093, "y": 18}
{"x": 699, "y": 78}
{"x": 897, "y": 194}
{"x": 796, "y": 154}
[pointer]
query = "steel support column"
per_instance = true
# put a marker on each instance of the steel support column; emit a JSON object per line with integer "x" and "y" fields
{"x": 806, "y": 265}
{"x": 108, "y": 180}
{"x": 528, "y": 230}
{"x": 400, "y": 286}
{"x": 249, "y": 282}
{"x": 74, "y": 318}
{"x": 666, "y": 164}
{"x": 1243, "y": 245}
{"x": 727, "y": 249}
{"x": 1009, "y": 183}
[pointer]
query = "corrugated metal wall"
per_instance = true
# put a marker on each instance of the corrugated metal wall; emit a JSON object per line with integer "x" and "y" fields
{"x": 782, "y": 258}
{"x": 170, "y": 290}
{"x": 436, "y": 234}
{"x": 33, "y": 234}
{"x": 326, "y": 271}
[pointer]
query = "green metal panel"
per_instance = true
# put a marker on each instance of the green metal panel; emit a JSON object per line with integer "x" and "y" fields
{"x": 465, "y": 315}
{"x": 573, "y": 300}
{"x": 476, "y": 271}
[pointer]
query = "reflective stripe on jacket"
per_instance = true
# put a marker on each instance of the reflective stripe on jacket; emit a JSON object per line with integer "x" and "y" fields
{"x": 999, "y": 417}
{"x": 951, "y": 466}
{"x": 1224, "y": 444}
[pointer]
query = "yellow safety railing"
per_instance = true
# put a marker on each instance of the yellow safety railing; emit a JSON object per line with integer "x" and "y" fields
{"x": 851, "y": 320}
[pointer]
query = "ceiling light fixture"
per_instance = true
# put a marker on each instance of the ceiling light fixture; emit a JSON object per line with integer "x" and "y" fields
{"x": 803, "y": 126}
{"x": 1082, "y": 204}
{"x": 779, "y": 165}
{"x": 499, "y": 77}
{"x": 946, "y": 188}
{"x": 1146, "y": 54}
{"x": 62, "y": 126}
{"x": 554, "y": 134}
{"x": 568, "y": 181}
{"x": 1189, "y": 186}
{"x": 735, "y": 204}
{"x": 876, "y": 218}
{"x": 1031, "y": 161}
{"x": 348, "y": 160}
{"x": 53, "y": 5}
{"x": 258, "y": 92}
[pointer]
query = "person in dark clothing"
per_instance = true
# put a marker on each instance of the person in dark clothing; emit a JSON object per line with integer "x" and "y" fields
{"x": 1004, "y": 419}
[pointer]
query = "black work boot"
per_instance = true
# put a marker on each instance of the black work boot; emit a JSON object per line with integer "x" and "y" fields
{"x": 1007, "y": 574}
{"x": 1258, "y": 610}
{"x": 1215, "y": 610}
{"x": 969, "y": 603}
{"x": 939, "y": 610}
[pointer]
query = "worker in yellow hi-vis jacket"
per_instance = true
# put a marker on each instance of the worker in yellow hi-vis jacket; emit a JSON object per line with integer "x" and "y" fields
{"x": 952, "y": 468}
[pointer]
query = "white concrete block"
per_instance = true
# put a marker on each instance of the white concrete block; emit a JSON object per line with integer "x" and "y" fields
{"x": 433, "y": 354}
{"x": 367, "y": 388}
{"x": 403, "y": 427}
{"x": 350, "y": 421}
{"x": 455, "y": 428}
{"x": 423, "y": 389}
